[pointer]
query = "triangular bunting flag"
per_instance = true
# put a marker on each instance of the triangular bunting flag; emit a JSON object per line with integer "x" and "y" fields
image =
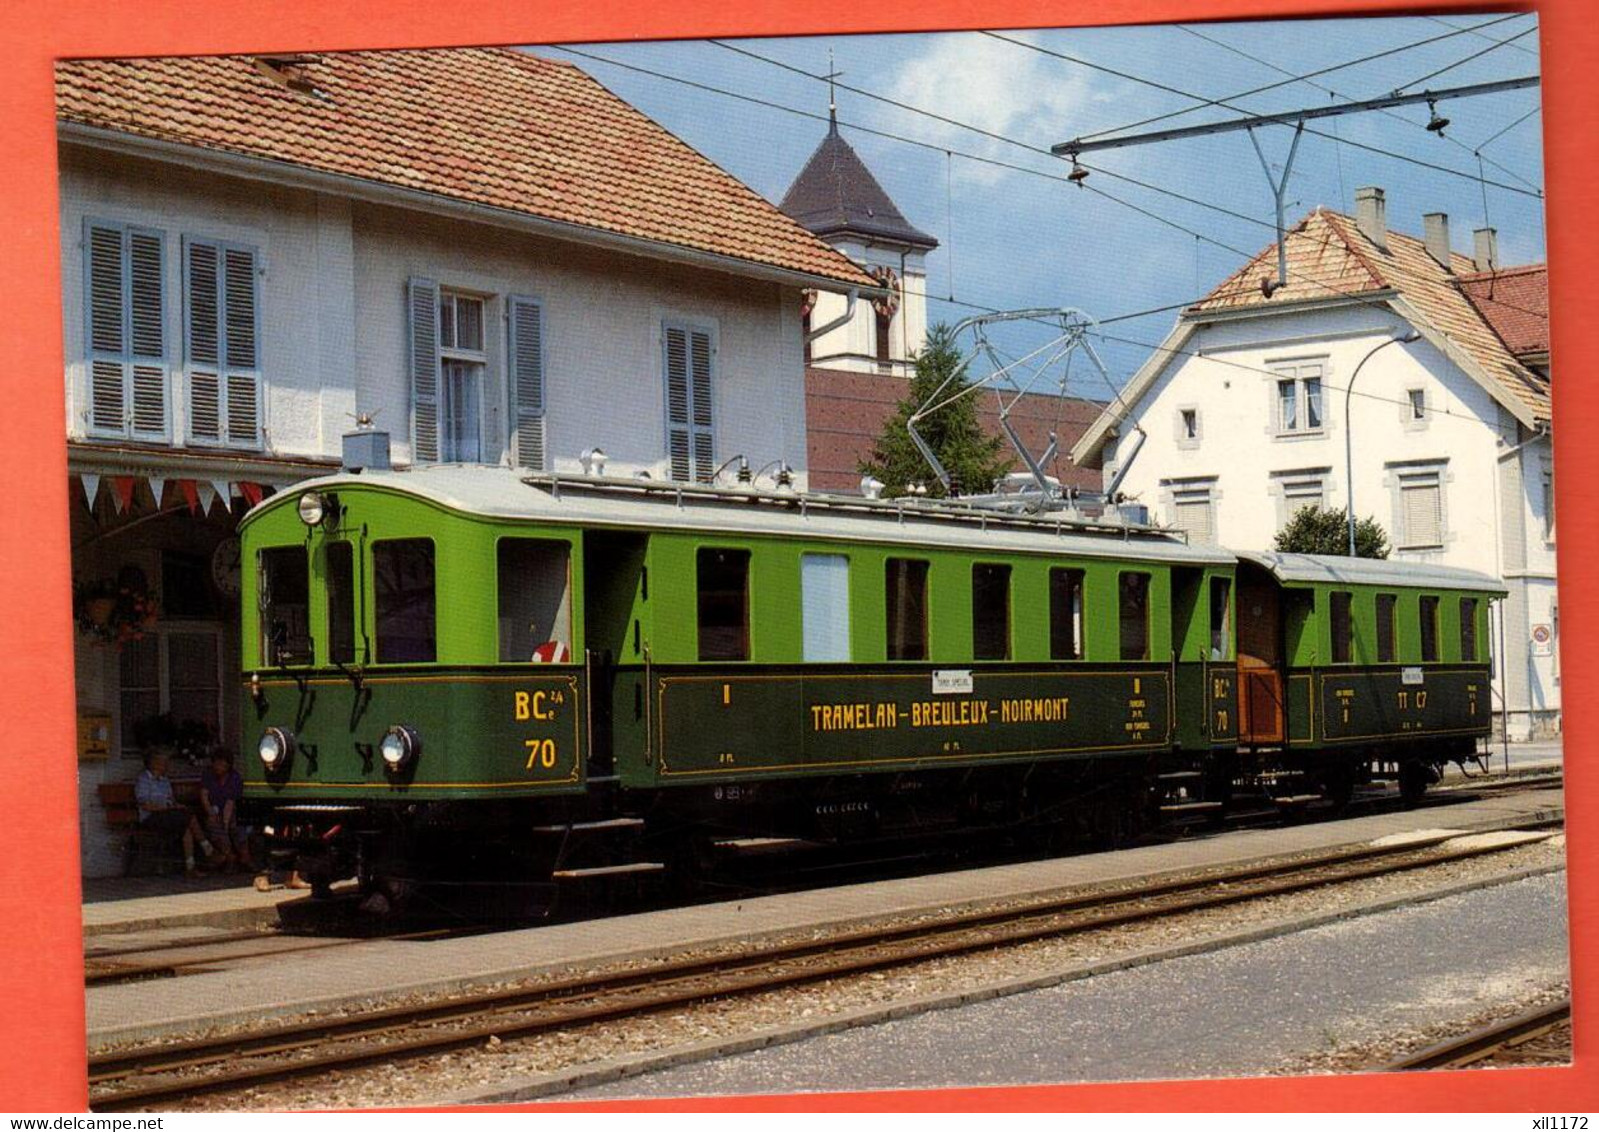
{"x": 91, "y": 488}
{"x": 122, "y": 492}
{"x": 251, "y": 493}
{"x": 191, "y": 495}
{"x": 158, "y": 488}
{"x": 207, "y": 494}
{"x": 221, "y": 488}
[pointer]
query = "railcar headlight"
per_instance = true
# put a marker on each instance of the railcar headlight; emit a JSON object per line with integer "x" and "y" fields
{"x": 275, "y": 748}
{"x": 313, "y": 508}
{"x": 400, "y": 747}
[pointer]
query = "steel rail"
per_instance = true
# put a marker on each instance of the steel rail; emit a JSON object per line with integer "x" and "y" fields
{"x": 562, "y": 1004}
{"x": 1486, "y": 1041}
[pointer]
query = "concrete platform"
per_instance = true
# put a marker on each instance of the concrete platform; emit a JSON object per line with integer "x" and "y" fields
{"x": 131, "y": 905}
{"x": 331, "y": 979}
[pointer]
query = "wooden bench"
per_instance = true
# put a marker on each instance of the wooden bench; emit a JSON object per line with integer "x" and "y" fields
{"x": 121, "y": 810}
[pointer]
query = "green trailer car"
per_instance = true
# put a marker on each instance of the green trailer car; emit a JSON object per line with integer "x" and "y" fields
{"x": 466, "y": 672}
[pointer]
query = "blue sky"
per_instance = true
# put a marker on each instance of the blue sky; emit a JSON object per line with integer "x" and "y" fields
{"x": 1011, "y": 239}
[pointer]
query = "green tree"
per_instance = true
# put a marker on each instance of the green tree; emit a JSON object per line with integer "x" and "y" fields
{"x": 1320, "y": 530}
{"x": 974, "y": 460}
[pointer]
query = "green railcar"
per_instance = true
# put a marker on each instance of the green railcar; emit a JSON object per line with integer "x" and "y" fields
{"x": 470, "y": 671}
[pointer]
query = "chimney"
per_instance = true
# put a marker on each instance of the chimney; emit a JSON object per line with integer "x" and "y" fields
{"x": 1371, "y": 215}
{"x": 1435, "y": 229}
{"x": 1485, "y": 249}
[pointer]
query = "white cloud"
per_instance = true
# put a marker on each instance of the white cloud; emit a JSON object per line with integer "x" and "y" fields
{"x": 996, "y": 86}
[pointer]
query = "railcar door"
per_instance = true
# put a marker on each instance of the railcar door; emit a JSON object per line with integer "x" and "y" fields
{"x": 615, "y": 585}
{"x": 1260, "y": 657}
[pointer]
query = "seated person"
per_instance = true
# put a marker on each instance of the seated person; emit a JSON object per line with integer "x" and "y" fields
{"x": 160, "y": 811}
{"x": 221, "y": 791}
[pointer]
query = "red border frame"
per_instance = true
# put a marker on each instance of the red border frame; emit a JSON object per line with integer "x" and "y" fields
{"x": 40, "y": 953}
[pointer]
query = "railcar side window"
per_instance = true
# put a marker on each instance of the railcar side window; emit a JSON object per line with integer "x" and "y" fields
{"x": 1342, "y": 627}
{"x": 1468, "y": 628}
{"x": 1135, "y": 616}
{"x": 341, "y": 603}
{"x": 1221, "y": 617}
{"x": 824, "y": 606}
{"x": 724, "y": 603}
{"x": 405, "y": 605}
{"x": 1429, "y": 628}
{"x": 535, "y": 601}
{"x": 1065, "y": 614}
{"x": 285, "y": 606}
{"x": 990, "y": 611}
{"x": 907, "y": 609}
{"x": 1386, "y": 605}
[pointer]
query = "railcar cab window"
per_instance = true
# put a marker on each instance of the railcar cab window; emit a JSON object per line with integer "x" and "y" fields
{"x": 990, "y": 611}
{"x": 906, "y": 586}
{"x": 1429, "y": 628}
{"x": 341, "y": 603}
{"x": 1134, "y": 602}
{"x": 824, "y": 606}
{"x": 1387, "y": 605}
{"x": 1065, "y": 614}
{"x": 1221, "y": 617}
{"x": 535, "y": 603}
{"x": 285, "y": 605}
{"x": 1468, "y": 629}
{"x": 1342, "y": 627}
{"x": 405, "y": 606}
{"x": 724, "y": 603}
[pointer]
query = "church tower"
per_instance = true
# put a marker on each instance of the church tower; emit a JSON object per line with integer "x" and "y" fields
{"x": 836, "y": 197}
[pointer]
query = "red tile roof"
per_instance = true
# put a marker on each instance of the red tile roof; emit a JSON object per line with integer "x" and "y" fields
{"x": 1329, "y": 257}
{"x": 485, "y": 126}
{"x": 1515, "y": 302}
{"x": 845, "y": 412}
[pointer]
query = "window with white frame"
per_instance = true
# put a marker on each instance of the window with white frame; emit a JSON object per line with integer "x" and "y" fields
{"x": 1297, "y": 398}
{"x": 125, "y": 323}
{"x": 448, "y": 362}
{"x": 1193, "y": 509}
{"x": 222, "y": 342}
{"x": 169, "y": 679}
{"x": 1300, "y": 490}
{"x": 1188, "y": 426}
{"x": 462, "y": 361}
{"x": 1415, "y": 409}
{"x": 1419, "y": 518}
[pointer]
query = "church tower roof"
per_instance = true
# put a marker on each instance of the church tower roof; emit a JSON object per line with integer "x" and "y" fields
{"x": 836, "y": 195}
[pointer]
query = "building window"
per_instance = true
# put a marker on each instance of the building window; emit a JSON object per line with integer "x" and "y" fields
{"x": 170, "y": 688}
{"x": 1221, "y": 617}
{"x": 1468, "y": 629}
{"x": 1414, "y": 409}
{"x": 906, "y": 585}
{"x": 824, "y": 606}
{"x": 341, "y": 603}
{"x": 1193, "y": 509}
{"x": 1298, "y": 398}
{"x": 1301, "y": 493}
{"x": 884, "y": 323}
{"x": 405, "y": 601}
{"x": 1420, "y": 521}
{"x": 222, "y": 335}
{"x": 723, "y": 578}
{"x": 1188, "y": 424}
{"x": 127, "y": 340}
{"x": 1134, "y": 610}
{"x": 1065, "y": 614}
{"x": 285, "y": 605}
{"x": 535, "y": 608}
{"x": 1429, "y": 628}
{"x": 1548, "y": 483}
{"x": 1387, "y": 605}
{"x": 690, "y": 436}
{"x": 990, "y": 611}
{"x": 462, "y": 361}
{"x": 526, "y": 365}
{"x": 1341, "y": 625}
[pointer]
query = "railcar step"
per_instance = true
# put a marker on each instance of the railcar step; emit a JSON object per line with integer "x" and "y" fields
{"x": 761, "y": 844}
{"x": 1189, "y": 807}
{"x": 1172, "y": 775}
{"x": 609, "y": 870}
{"x": 1297, "y": 799}
{"x": 583, "y": 826}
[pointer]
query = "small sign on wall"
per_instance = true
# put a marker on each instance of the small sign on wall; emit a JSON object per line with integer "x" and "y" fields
{"x": 94, "y": 737}
{"x": 1413, "y": 674}
{"x": 952, "y": 681}
{"x": 1543, "y": 640}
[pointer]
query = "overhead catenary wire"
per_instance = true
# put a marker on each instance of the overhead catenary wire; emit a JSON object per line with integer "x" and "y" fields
{"x": 1462, "y": 62}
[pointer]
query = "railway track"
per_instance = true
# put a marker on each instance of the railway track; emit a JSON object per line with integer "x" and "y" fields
{"x": 166, "y": 1074}
{"x": 1488, "y": 1042}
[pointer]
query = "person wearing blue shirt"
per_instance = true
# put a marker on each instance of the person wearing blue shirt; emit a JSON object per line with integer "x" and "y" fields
{"x": 160, "y": 811}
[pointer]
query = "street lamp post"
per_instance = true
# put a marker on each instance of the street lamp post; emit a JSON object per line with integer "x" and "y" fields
{"x": 1349, "y": 440}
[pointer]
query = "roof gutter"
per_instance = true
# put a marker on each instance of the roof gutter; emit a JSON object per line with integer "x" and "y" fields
{"x": 849, "y": 312}
{"x": 358, "y": 188}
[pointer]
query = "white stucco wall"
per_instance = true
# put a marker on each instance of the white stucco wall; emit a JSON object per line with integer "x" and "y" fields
{"x": 1492, "y": 515}
{"x": 853, "y": 346}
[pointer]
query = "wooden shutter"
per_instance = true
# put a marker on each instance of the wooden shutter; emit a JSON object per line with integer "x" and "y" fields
{"x": 223, "y": 347}
{"x": 690, "y": 439}
{"x": 422, "y": 304}
{"x": 527, "y": 382}
{"x": 127, "y": 389}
